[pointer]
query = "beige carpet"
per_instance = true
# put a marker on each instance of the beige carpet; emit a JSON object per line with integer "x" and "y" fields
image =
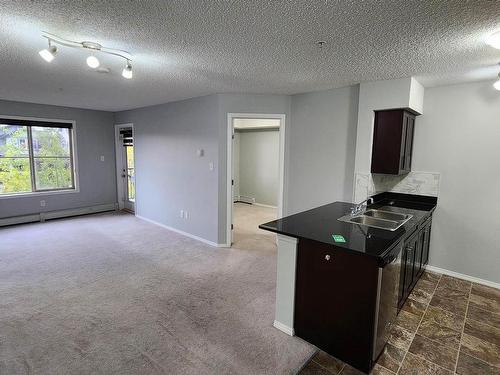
{"x": 247, "y": 234}
{"x": 111, "y": 294}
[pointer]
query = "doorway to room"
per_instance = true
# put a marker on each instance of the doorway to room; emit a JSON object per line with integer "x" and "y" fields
{"x": 125, "y": 167}
{"x": 255, "y": 175}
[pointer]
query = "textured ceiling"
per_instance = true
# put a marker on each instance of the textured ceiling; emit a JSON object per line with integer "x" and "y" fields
{"x": 188, "y": 48}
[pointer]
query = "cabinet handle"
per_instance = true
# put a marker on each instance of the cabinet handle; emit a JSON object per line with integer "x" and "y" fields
{"x": 327, "y": 257}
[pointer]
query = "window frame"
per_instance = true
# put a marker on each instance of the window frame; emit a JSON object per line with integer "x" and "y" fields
{"x": 38, "y": 121}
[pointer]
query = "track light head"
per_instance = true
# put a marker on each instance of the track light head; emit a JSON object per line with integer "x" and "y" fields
{"x": 48, "y": 54}
{"x": 93, "y": 62}
{"x": 496, "y": 85}
{"x": 494, "y": 40}
{"x": 127, "y": 71}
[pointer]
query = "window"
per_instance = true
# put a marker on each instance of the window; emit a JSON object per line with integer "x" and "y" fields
{"x": 35, "y": 156}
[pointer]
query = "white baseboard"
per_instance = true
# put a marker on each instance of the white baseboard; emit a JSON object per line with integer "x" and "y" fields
{"x": 284, "y": 328}
{"x": 42, "y": 216}
{"x": 463, "y": 276}
{"x": 181, "y": 232}
{"x": 245, "y": 199}
{"x": 264, "y": 205}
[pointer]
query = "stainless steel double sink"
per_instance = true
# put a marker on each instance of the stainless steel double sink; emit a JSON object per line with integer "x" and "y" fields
{"x": 378, "y": 219}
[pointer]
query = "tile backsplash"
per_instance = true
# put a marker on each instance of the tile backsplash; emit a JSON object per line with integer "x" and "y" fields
{"x": 420, "y": 183}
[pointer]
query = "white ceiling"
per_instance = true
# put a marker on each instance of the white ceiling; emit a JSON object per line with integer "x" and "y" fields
{"x": 188, "y": 48}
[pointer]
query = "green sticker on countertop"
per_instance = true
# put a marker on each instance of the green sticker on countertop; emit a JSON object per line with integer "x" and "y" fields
{"x": 338, "y": 238}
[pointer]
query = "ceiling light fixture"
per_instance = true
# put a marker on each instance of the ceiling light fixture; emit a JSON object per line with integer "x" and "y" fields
{"x": 92, "y": 60}
{"x": 496, "y": 85}
{"x": 49, "y": 53}
{"x": 127, "y": 71}
{"x": 494, "y": 40}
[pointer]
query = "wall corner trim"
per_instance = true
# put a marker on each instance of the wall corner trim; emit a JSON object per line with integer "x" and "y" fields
{"x": 463, "y": 276}
{"x": 213, "y": 244}
{"x": 284, "y": 328}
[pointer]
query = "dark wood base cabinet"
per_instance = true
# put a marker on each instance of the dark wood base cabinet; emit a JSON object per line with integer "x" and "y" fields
{"x": 414, "y": 259}
{"x": 336, "y": 302}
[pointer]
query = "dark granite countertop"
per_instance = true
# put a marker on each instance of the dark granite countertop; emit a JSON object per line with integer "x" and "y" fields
{"x": 319, "y": 224}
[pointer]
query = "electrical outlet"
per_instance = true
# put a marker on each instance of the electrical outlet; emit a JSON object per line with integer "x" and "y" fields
{"x": 186, "y": 215}
{"x": 182, "y": 214}
{"x": 42, "y": 203}
{"x": 102, "y": 157}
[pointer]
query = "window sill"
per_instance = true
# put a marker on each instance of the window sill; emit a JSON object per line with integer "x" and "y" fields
{"x": 39, "y": 194}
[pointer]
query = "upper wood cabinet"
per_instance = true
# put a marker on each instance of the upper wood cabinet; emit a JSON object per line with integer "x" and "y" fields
{"x": 393, "y": 141}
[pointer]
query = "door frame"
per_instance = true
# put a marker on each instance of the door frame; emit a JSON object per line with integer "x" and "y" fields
{"x": 229, "y": 164}
{"x": 119, "y": 165}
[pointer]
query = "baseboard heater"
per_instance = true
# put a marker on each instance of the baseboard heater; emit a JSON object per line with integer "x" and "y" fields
{"x": 42, "y": 216}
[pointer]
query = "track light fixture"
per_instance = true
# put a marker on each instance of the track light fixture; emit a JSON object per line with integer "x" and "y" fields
{"x": 92, "y": 61}
{"x": 496, "y": 85}
{"x": 127, "y": 71}
{"x": 494, "y": 40}
{"x": 49, "y": 53}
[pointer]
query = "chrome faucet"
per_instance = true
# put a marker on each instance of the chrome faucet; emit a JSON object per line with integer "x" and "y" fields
{"x": 361, "y": 207}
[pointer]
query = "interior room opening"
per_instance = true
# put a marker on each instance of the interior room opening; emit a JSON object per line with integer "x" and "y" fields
{"x": 125, "y": 167}
{"x": 256, "y": 176}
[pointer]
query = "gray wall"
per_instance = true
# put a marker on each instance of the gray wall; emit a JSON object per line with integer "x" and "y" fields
{"x": 94, "y": 137}
{"x": 170, "y": 177}
{"x": 258, "y": 168}
{"x": 322, "y": 148}
{"x": 458, "y": 136}
{"x": 320, "y": 137}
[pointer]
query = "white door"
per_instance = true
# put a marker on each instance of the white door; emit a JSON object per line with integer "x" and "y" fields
{"x": 125, "y": 167}
{"x": 232, "y": 185}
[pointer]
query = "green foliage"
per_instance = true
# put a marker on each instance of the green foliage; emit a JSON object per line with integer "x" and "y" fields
{"x": 52, "y": 161}
{"x": 14, "y": 175}
{"x": 14, "y": 166}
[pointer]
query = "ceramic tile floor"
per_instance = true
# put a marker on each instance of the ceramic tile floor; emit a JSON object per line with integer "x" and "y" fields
{"x": 447, "y": 326}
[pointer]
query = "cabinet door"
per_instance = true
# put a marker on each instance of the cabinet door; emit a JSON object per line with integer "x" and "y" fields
{"x": 330, "y": 297}
{"x": 410, "y": 129}
{"x": 402, "y": 289}
{"x": 419, "y": 247}
{"x": 427, "y": 242}
{"x": 409, "y": 262}
{"x": 402, "y": 155}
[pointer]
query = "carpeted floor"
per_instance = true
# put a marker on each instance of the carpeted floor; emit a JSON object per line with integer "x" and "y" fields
{"x": 111, "y": 294}
{"x": 246, "y": 234}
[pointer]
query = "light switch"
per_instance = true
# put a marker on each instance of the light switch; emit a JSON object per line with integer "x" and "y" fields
{"x": 200, "y": 152}
{"x": 211, "y": 166}
{"x": 102, "y": 157}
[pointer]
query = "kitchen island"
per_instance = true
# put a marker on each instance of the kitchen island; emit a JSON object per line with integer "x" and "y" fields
{"x": 339, "y": 284}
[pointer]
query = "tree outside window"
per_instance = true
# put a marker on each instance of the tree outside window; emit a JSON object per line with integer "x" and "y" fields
{"x": 35, "y": 158}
